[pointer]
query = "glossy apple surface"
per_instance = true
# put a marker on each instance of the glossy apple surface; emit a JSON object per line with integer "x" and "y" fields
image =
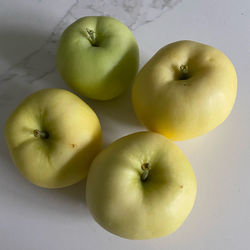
{"x": 141, "y": 187}
{"x": 98, "y": 57}
{"x": 52, "y": 137}
{"x": 185, "y": 90}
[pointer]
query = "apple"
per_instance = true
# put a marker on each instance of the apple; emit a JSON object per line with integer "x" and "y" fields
{"x": 98, "y": 57}
{"x": 52, "y": 137}
{"x": 185, "y": 90}
{"x": 141, "y": 187}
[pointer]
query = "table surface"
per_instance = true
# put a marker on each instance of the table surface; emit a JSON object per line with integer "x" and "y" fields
{"x": 32, "y": 218}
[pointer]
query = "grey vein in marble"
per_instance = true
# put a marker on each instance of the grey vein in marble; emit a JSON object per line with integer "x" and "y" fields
{"x": 20, "y": 79}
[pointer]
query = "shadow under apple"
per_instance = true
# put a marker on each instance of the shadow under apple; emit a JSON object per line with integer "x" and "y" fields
{"x": 34, "y": 72}
{"x": 68, "y": 201}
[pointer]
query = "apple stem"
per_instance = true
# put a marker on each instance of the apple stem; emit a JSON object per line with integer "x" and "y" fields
{"x": 41, "y": 134}
{"x": 91, "y": 36}
{"x": 145, "y": 167}
{"x": 184, "y": 72}
{"x": 184, "y": 69}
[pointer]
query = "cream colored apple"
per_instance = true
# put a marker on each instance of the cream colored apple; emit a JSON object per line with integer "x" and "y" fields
{"x": 52, "y": 137}
{"x": 141, "y": 187}
{"x": 185, "y": 90}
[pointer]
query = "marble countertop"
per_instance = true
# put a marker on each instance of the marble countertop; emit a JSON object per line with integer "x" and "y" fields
{"x": 32, "y": 218}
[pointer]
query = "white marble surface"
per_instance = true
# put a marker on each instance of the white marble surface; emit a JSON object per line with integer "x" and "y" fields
{"x": 36, "y": 219}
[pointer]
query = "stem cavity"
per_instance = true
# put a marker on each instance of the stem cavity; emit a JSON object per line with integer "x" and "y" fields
{"x": 184, "y": 72}
{"x": 145, "y": 167}
{"x": 41, "y": 134}
{"x": 91, "y": 36}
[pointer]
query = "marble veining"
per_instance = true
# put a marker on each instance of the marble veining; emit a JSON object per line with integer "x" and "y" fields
{"x": 20, "y": 79}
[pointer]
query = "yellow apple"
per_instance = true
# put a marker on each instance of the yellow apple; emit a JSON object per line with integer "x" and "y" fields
{"x": 141, "y": 186}
{"x": 52, "y": 137}
{"x": 185, "y": 90}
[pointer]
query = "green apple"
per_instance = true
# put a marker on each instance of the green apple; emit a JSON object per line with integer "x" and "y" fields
{"x": 141, "y": 187}
{"x": 52, "y": 137}
{"x": 185, "y": 90}
{"x": 98, "y": 57}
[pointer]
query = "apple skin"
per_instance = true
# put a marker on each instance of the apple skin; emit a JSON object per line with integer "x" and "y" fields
{"x": 102, "y": 69}
{"x": 131, "y": 208}
{"x": 179, "y": 108}
{"x": 74, "y": 138}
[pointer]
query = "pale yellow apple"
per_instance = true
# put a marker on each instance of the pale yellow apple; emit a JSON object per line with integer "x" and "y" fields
{"x": 141, "y": 186}
{"x": 185, "y": 90}
{"x": 52, "y": 137}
